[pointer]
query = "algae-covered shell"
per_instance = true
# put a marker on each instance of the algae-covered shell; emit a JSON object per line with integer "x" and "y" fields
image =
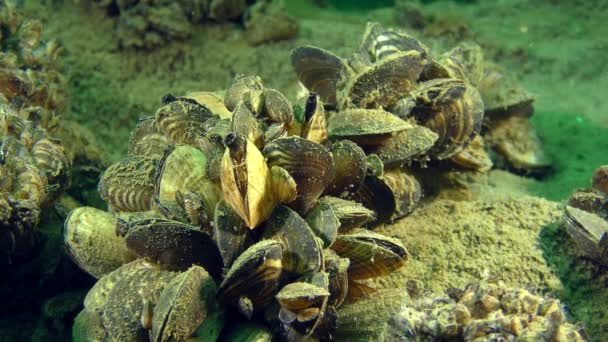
{"x": 183, "y": 305}
{"x": 406, "y": 189}
{"x": 246, "y": 89}
{"x": 319, "y": 71}
{"x": 181, "y": 120}
{"x": 254, "y": 275}
{"x": 301, "y": 251}
{"x": 301, "y": 295}
{"x": 589, "y": 231}
{"x": 88, "y": 326}
{"x": 323, "y": 222}
{"x": 364, "y": 126}
{"x": 90, "y": 237}
{"x": 52, "y": 161}
{"x": 405, "y": 146}
{"x": 246, "y": 181}
{"x": 146, "y": 139}
{"x": 311, "y": 165}
{"x": 599, "y": 180}
{"x": 350, "y": 168}
{"x": 128, "y": 185}
{"x": 351, "y": 214}
{"x": 184, "y": 169}
{"x": 385, "y": 82}
{"x": 229, "y": 233}
{"x": 173, "y": 245}
{"x": 371, "y": 255}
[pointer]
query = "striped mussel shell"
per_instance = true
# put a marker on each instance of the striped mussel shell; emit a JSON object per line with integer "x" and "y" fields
{"x": 173, "y": 245}
{"x": 589, "y": 232}
{"x": 254, "y": 275}
{"x": 183, "y": 169}
{"x": 29, "y": 184}
{"x": 184, "y": 304}
{"x": 128, "y": 185}
{"x": 384, "y": 82}
{"x": 405, "y": 146}
{"x": 230, "y": 233}
{"x": 465, "y": 61}
{"x": 311, "y": 166}
{"x": 147, "y": 140}
{"x": 245, "y": 124}
{"x": 371, "y": 255}
{"x": 182, "y": 120}
{"x": 302, "y": 307}
{"x": 351, "y": 214}
{"x": 337, "y": 270}
{"x": 455, "y": 119}
{"x": 302, "y": 253}
{"x": 52, "y": 161}
{"x": 301, "y": 295}
{"x": 474, "y": 156}
{"x": 320, "y": 71}
{"x": 377, "y": 196}
{"x": 277, "y": 108}
{"x": 324, "y": 222}
{"x": 379, "y": 43}
{"x": 406, "y": 189}
{"x": 350, "y": 168}
{"x": 91, "y": 241}
{"x": 365, "y": 126}
{"x": 246, "y": 89}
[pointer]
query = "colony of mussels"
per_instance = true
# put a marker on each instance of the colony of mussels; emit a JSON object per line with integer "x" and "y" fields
{"x": 249, "y": 218}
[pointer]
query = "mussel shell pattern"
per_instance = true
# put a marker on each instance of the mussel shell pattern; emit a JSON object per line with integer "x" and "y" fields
{"x": 129, "y": 184}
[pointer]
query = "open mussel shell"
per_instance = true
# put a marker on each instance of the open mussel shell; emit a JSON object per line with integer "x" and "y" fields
{"x": 319, "y": 71}
{"x": 51, "y": 159}
{"x": 174, "y": 245}
{"x": 311, "y": 166}
{"x": 366, "y": 319}
{"x": 301, "y": 251}
{"x": 351, "y": 214}
{"x": 379, "y": 43}
{"x": 183, "y": 305}
{"x": 130, "y": 300}
{"x": 474, "y": 156}
{"x": 230, "y": 233}
{"x": 456, "y": 120}
{"x": 246, "y": 181}
{"x": 337, "y": 270}
{"x": 301, "y": 295}
{"x": 182, "y": 120}
{"x": 323, "y": 222}
{"x": 364, "y": 126}
{"x": 128, "y": 185}
{"x": 350, "y": 168}
{"x": 385, "y": 82}
{"x": 246, "y": 89}
{"x": 248, "y": 332}
{"x": 254, "y": 275}
{"x": 406, "y": 189}
{"x": 184, "y": 169}
{"x": 314, "y": 122}
{"x": 376, "y": 195}
{"x": 516, "y": 141}
{"x": 147, "y": 140}
{"x": 371, "y": 255}
{"x": 90, "y": 238}
{"x": 589, "y": 232}
{"x": 405, "y": 146}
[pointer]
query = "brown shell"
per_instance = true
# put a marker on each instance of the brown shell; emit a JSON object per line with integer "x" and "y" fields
{"x": 212, "y": 101}
{"x": 146, "y": 140}
{"x": 301, "y": 295}
{"x": 324, "y": 222}
{"x": 229, "y": 233}
{"x": 379, "y": 43}
{"x": 311, "y": 166}
{"x": 376, "y": 195}
{"x": 351, "y": 214}
{"x": 406, "y": 189}
{"x": 405, "y": 146}
{"x": 183, "y": 120}
{"x": 277, "y": 108}
{"x": 589, "y": 232}
{"x": 129, "y": 184}
{"x": 245, "y": 124}
{"x": 314, "y": 122}
{"x": 474, "y": 156}
{"x": 246, "y": 89}
{"x": 319, "y": 71}
{"x": 350, "y": 168}
{"x": 52, "y": 161}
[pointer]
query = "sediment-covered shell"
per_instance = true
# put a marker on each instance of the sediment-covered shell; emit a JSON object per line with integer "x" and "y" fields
{"x": 311, "y": 166}
{"x": 502, "y": 95}
{"x": 182, "y": 120}
{"x": 351, "y": 214}
{"x": 379, "y": 43}
{"x": 406, "y": 189}
{"x": 405, "y": 146}
{"x": 229, "y": 233}
{"x": 323, "y": 222}
{"x": 385, "y": 82}
{"x": 52, "y": 161}
{"x": 371, "y": 255}
{"x": 246, "y": 89}
{"x": 337, "y": 271}
{"x": 474, "y": 156}
{"x": 246, "y": 181}
{"x": 183, "y": 305}
{"x": 254, "y": 275}
{"x": 91, "y": 240}
{"x": 301, "y": 295}
{"x": 184, "y": 169}
{"x": 590, "y": 232}
{"x": 128, "y": 185}
{"x": 147, "y": 140}
{"x": 301, "y": 251}
{"x": 364, "y": 126}
{"x": 350, "y": 168}
{"x": 319, "y": 71}
{"x": 173, "y": 245}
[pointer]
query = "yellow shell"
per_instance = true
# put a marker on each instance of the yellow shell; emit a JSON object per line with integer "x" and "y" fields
{"x": 212, "y": 101}
{"x": 90, "y": 236}
{"x": 183, "y": 120}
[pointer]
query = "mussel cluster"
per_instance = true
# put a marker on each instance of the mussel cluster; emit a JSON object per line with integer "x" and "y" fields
{"x": 402, "y": 103}
{"x": 149, "y": 24}
{"x": 236, "y": 210}
{"x": 586, "y": 218}
{"x": 29, "y": 67}
{"x": 34, "y": 167}
{"x": 481, "y": 312}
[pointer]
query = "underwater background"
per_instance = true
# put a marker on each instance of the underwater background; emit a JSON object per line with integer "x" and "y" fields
{"x": 503, "y": 225}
